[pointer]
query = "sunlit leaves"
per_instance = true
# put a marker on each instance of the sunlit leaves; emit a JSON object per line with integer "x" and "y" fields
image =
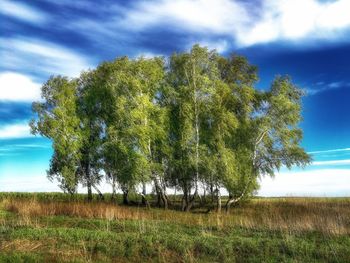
{"x": 193, "y": 119}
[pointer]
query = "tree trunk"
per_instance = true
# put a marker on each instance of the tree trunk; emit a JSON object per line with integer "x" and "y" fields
{"x": 228, "y": 204}
{"x": 165, "y": 201}
{"x": 197, "y": 136}
{"x": 204, "y": 199}
{"x": 125, "y": 197}
{"x": 100, "y": 195}
{"x": 184, "y": 199}
{"x": 89, "y": 190}
{"x": 162, "y": 199}
{"x": 231, "y": 201}
{"x": 218, "y": 201}
{"x": 191, "y": 201}
{"x": 143, "y": 195}
{"x": 188, "y": 199}
{"x": 184, "y": 203}
{"x": 113, "y": 197}
{"x": 212, "y": 192}
{"x": 88, "y": 180}
{"x": 159, "y": 200}
{"x": 160, "y": 194}
{"x": 114, "y": 194}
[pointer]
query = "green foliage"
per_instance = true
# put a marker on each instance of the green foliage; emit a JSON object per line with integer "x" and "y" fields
{"x": 192, "y": 79}
{"x": 278, "y": 126}
{"x": 58, "y": 120}
{"x": 194, "y": 119}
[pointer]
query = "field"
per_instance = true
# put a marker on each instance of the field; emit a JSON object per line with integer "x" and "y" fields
{"x": 57, "y": 228}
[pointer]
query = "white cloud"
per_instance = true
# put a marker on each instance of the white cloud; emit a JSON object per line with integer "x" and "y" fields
{"x": 18, "y": 87}
{"x": 298, "y": 19}
{"x": 219, "y": 16}
{"x": 22, "y": 12}
{"x": 245, "y": 23}
{"x": 33, "y": 55}
{"x": 327, "y": 182}
{"x": 19, "y": 130}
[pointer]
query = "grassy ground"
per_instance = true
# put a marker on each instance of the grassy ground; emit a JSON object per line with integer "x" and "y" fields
{"x": 55, "y": 228}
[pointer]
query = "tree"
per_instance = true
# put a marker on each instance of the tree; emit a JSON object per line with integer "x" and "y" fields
{"x": 191, "y": 77}
{"x": 146, "y": 77}
{"x": 220, "y": 126}
{"x": 126, "y": 93}
{"x": 111, "y": 90}
{"x": 198, "y": 121}
{"x": 89, "y": 108}
{"x": 57, "y": 119}
{"x": 239, "y": 77}
{"x": 231, "y": 105}
{"x": 271, "y": 135}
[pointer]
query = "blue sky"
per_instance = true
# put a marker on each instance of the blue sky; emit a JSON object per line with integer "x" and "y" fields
{"x": 307, "y": 39}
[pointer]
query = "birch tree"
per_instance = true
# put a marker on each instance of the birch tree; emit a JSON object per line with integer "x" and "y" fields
{"x": 57, "y": 119}
{"x": 271, "y": 136}
{"x": 193, "y": 121}
{"x": 146, "y": 116}
{"x": 192, "y": 77}
{"x": 89, "y": 109}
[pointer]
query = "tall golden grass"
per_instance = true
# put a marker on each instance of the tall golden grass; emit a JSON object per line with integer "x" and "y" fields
{"x": 328, "y": 216}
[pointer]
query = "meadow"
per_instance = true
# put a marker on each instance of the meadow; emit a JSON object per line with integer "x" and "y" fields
{"x": 52, "y": 227}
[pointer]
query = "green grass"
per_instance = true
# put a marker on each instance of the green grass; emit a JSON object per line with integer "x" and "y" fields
{"x": 25, "y": 238}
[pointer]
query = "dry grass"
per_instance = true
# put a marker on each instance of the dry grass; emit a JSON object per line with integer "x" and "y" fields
{"x": 328, "y": 216}
{"x": 22, "y": 245}
{"x": 50, "y": 248}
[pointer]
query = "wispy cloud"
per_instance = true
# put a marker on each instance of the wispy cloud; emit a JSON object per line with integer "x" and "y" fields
{"x": 15, "y": 147}
{"x": 322, "y": 87}
{"x": 19, "y": 130}
{"x": 330, "y": 151}
{"x": 22, "y": 150}
{"x": 18, "y": 87}
{"x": 33, "y": 55}
{"x": 216, "y": 16}
{"x": 119, "y": 28}
{"x": 277, "y": 20}
{"x": 22, "y": 11}
{"x": 331, "y": 158}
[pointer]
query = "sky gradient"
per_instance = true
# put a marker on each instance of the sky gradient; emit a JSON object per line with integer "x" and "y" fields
{"x": 306, "y": 39}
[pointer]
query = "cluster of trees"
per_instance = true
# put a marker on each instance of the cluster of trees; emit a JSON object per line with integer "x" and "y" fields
{"x": 193, "y": 122}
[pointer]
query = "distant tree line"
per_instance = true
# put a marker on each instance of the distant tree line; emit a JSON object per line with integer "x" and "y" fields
{"x": 193, "y": 122}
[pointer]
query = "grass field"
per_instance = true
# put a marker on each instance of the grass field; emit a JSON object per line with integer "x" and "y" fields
{"x": 57, "y": 228}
